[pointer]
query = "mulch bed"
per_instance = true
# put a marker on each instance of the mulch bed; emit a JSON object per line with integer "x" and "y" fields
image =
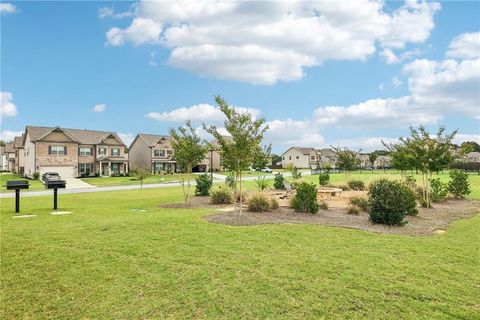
{"x": 428, "y": 221}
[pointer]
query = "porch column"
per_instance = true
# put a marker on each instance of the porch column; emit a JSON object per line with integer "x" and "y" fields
{"x": 100, "y": 171}
{"x": 109, "y": 168}
{"x": 125, "y": 167}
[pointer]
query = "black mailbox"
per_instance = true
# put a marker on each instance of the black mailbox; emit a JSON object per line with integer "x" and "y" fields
{"x": 17, "y": 185}
{"x": 55, "y": 184}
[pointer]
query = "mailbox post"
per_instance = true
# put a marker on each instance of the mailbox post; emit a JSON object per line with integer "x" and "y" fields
{"x": 55, "y": 185}
{"x": 17, "y": 185}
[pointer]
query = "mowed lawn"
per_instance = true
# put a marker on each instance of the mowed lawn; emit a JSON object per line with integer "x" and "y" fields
{"x": 34, "y": 184}
{"x": 107, "y": 261}
{"x": 120, "y": 181}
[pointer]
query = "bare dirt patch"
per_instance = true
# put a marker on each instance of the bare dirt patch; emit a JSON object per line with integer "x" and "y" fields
{"x": 427, "y": 222}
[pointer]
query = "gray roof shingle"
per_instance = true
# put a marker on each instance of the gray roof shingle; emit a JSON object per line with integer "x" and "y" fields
{"x": 81, "y": 136}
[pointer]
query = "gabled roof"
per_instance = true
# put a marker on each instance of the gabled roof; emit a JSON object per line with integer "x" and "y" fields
{"x": 18, "y": 141}
{"x": 301, "y": 150}
{"x": 9, "y": 147}
{"x": 78, "y": 135}
{"x": 472, "y": 155}
{"x": 150, "y": 139}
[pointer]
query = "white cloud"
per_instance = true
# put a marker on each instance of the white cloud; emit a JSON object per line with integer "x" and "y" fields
{"x": 366, "y": 144}
{"x": 465, "y": 46}
{"x": 105, "y": 12}
{"x": 381, "y": 86}
{"x": 462, "y": 137}
{"x": 267, "y": 42}
{"x": 389, "y": 56}
{"x": 396, "y": 82}
{"x": 127, "y": 138}
{"x": 293, "y": 133}
{"x": 152, "y": 61}
{"x": 7, "y": 107}
{"x": 6, "y": 8}
{"x": 99, "y": 107}
{"x": 8, "y": 135}
{"x": 196, "y": 113}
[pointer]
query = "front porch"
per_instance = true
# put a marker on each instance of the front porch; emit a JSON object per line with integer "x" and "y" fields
{"x": 159, "y": 167}
{"x": 112, "y": 166}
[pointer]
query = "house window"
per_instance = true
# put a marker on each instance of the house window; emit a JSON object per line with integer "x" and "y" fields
{"x": 85, "y": 168}
{"x": 297, "y": 157}
{"x": 115, "y": 167}
{"x": 57, "y": 150}
{"x": 115, "y": 152}
{"x": 102, "y": 151}
{"x": 312, "y": 157}
{"x": 289, "y": 157}
{"x": 283, "y": 158}
{"x": 169, "y": 152}
{"x": 85, "y": 151}
{"x": 159, "y": 153}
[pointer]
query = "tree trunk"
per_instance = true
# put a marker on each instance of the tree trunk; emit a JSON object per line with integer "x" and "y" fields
{"x": 241, "y": 196}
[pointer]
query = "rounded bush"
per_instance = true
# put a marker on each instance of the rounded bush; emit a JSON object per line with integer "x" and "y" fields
{"x": 360, "y": 202}
{"x": 221, "y": 196}
{"x": 259, "y": 202}
{"x": 305, "y": 199}
{"x": 203, "y": 185}
{"x": 323, "y": 179}
{"x": 458, "y": 185}
{"x": 357, "y": 185}
{"x": 279, "y": 181}
{"x": 389, "y": 202}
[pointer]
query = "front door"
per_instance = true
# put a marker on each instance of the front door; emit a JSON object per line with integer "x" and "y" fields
{"x": 105, "y": 169}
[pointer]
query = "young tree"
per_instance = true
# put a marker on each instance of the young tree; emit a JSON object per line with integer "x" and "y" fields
{"x": 371, "y": 158}
{"x": 261, "y": 157}
{"x": 142, "y": 174}
{"x": 402, "y": 159}
{"x": 346, "y": 159}
{"x": 188, "y": 151}
{"x": 239, "y": 151}
{"x": 430, "y": 154}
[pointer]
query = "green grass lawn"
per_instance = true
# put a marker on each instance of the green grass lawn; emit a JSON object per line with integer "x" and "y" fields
{"x": 120, "y": 181}
{"x": 105, "y": 261}
{"x": 34, "y": 184}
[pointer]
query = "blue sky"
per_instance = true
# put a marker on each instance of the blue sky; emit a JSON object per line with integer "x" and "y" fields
{"x": 319, "y": 74}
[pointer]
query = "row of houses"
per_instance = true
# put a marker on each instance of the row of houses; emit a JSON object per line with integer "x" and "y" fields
{"x": 312, "y": 158}
{"x": 75, "y": 153}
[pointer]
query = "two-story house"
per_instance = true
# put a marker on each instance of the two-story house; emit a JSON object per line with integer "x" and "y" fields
{"x": 152, "y": 152}
{"x": 155, "y": 153}
{"x": 19, "y": 154}
{"x": 308, "y": 158}
{"x": 73, "y": 152}
{"x": 10, "y": 153}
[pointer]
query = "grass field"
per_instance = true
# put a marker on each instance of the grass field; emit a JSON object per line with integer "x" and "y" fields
{"x": 105, "y": 261}
{"x": 120, "y": 181}
{"x": 34, "y": 184}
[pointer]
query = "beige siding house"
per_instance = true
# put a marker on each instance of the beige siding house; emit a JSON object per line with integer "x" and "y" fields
{"x": 19, "y": 155}
{"x": 10, "y": 154}
{"x": 155, "y": 153}
{"x": 310, "y": 158}
{"x": 73, "y": 152}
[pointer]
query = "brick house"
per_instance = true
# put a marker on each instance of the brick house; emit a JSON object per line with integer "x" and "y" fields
{"x": 73, "y": 152}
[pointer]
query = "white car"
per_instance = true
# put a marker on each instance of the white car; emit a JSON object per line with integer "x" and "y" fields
{"x": 268, "y": 170}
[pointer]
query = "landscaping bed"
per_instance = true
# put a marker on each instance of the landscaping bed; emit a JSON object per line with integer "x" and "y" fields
{"x": 427, "y": 222}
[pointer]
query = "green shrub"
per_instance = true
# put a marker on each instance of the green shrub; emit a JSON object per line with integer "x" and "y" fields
{"x": 296, "y": 174}
{"x": 354, "y": 210}
{"x": 356, "y": 185}
{"x": 259, "y": 202}
{"x": 36, "y": 175}
{"x": 438, "y": 190}
{"x": 279, "y": 181}
{"x": 262, "y": 183}
{"x": 389, "y": 202}
{"x": 203, "y": 185}
{"x": 323, "y": 179}
{"x": 221, "y": 196}
{"x": 305, "y": 199}
{"x": 360, "y": 202}
{"x": 458, "y": 185}
{"x": 323, "y": 205}
{"x": 273, "y": 203}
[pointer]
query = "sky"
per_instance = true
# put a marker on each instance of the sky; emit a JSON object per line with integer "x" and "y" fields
{"x": 350, "y": 73}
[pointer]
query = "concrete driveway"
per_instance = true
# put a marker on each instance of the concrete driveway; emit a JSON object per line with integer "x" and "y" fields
{"x": 73, "y": 183}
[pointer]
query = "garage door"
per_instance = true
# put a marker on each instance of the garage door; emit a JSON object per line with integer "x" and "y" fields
{"x": 65, "y": 172}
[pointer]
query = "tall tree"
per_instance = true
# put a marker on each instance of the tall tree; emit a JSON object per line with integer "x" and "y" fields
{"x": 189, "y": 150}
{"x": 239, "y": 151}
{"x": 371, "y": 158}
{"x": 402, "y": 159}
{"x": 470, "y": 146}
{"x": 346, "y": 159}
{"x": 430, "y": 154}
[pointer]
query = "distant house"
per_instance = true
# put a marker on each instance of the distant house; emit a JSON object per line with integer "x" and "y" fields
{"x": 308, "y": 157}
{"x": 73, "y": 152}
{"x": 10, "y": 153}
{"x": 382, "y": 162}
{"x": 472, "y": 157}
{"x": 364, "y": 160}
{"x": 19, "y": 154}
{"x": 3, "y": 159}
{"x": 155, "y": 153}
